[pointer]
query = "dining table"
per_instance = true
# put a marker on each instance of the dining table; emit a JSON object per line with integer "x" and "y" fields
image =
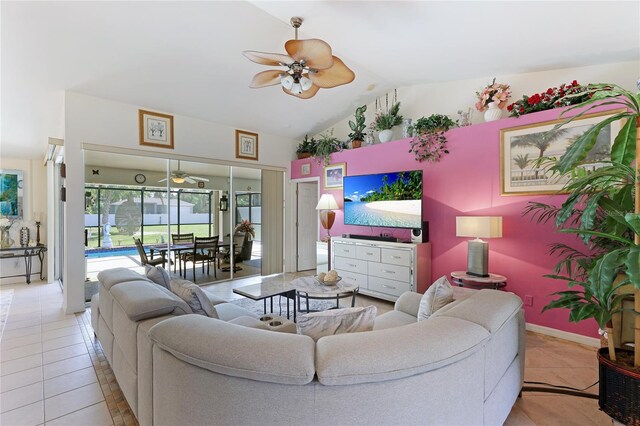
{"x": 179, "y": 248}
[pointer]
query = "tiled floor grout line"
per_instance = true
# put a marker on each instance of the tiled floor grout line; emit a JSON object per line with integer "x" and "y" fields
{"x": 74, "y": 411}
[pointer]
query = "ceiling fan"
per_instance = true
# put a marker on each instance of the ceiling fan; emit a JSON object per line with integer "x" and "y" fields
{"x": 310, "y": 66}
{"x": 178, "y": 176}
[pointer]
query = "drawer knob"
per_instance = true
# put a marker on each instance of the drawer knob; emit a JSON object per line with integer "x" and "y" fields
{"x": 388, "y": 286}
{"x": 388, "y": 272}
{"x": 396, "y": 257}
{"x": 352, "y": 265}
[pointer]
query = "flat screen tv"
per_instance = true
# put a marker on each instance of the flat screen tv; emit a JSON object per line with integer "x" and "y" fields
{"x": 390, "y": 200}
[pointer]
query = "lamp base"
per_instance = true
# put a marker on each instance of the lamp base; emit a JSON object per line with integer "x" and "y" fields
{"x": 478, "y": 258}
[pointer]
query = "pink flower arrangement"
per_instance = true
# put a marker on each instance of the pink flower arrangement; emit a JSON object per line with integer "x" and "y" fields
{"x": 495, "y": 92}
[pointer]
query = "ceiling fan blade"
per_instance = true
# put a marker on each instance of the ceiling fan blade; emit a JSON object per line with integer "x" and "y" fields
{"x": 199, "y": 178}
{"x": 316, "y": 53}
{"x": 304, "y": 95}
{"x": 337, "y": 75}
{"x": 163, "y": 180}
{"x": 266, "y": 78}
{"x": 189, "y": 180}
{"x": 265, "y": 58}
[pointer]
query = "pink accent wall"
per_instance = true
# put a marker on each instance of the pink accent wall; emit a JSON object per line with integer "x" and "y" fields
{"x": 467, "y": 182}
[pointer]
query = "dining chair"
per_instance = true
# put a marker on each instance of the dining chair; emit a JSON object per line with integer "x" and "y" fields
{"x": 205, "y": 250}
{"x": 178, "y": 255}
{"x": 144, "y": 260}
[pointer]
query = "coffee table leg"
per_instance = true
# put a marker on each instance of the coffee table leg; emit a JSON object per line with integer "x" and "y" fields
{"x": 265, "y": 306}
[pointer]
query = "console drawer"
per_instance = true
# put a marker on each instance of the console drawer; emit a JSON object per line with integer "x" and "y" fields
{"x": 392, "y": 272}
{"x": 359, "y": 279}
{"x": 368, "y": 253}
{"x": 350, "y": 265}
{"x": 396, "y": 257}
{"x": 344, "y": 250}
{"x": 383, "y": 285}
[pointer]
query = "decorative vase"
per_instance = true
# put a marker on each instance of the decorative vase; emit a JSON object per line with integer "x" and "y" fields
{"x": 385, "y": 135}
{"x": 24, "y": 236}
{"x": 493, "y": 113}
{"x": 406, "y": 128}
{"x": 5, "y": 238}
{"x": 356, "y": 143}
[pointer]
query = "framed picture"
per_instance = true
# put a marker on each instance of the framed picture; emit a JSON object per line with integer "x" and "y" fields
{"x": 333, "y": 175}
{"x": 305, "y": 169}
{"x": 246, "y": 145}
{"x": 155, "y": 129}
{"x": 521, "y": 148}
{"x": 11, "y": 193}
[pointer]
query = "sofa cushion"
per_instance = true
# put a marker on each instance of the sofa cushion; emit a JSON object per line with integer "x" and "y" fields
{"x": 252, "y": 322}
{"x": 237, "y": 351}
{"x": 393, "y": 319}
{"x": 111, "y": 277}
{"x": 439, "y": 294}
{"x": 143, "y": 299}
{"x": 229, "y": 311}
{"x": 194, "y": 296}
{"x": 337, "y": 321}
{"x": 215, "y": 300}
{"x": 158, "y": 275}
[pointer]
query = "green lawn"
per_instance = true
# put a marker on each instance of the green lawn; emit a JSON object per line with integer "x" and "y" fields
{"x": 153, "y": 234}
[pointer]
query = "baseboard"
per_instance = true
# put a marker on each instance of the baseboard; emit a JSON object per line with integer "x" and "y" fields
{"x": 565, "y": 335}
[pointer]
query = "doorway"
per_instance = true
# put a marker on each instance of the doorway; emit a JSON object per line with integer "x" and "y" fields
{"x": 306, "y": 225}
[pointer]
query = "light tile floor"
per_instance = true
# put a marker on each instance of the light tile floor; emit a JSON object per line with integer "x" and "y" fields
{"x": 53, "y": 371}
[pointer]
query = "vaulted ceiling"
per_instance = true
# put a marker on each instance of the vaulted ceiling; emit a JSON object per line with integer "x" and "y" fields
{"x": 185, "y": 57}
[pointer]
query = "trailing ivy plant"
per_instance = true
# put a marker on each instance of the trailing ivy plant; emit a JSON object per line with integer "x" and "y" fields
{"x": 327, "y": 144}
{"x": 429, "y": 142}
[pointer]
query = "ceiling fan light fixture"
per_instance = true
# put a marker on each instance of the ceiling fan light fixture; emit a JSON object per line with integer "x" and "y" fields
{"x": 177, "y": 179}
{"x": 296, "y": 89}
{"x": 305, "y": 83}
{"x": 287, "y": 82}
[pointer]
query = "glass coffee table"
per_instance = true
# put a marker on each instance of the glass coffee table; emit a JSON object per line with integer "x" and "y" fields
{"x": 310, "y": 289}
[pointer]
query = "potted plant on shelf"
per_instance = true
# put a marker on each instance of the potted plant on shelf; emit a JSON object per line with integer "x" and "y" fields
{"x": 357, "y": 128}
{"x": 429, "y": 142}
{"x": 601, "y": 210}
{"x": 384, "y": 122}
{"x": 492, "y": 99}
{"x": 327, "y": 145}
{"x": 306, "y": 148}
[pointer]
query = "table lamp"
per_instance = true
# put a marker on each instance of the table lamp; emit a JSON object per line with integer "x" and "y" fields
{"x": 326, "y": 205}
{"x": 478, "y": 250}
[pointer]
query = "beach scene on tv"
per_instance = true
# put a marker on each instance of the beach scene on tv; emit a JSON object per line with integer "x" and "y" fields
{"x": 385, "y": 199}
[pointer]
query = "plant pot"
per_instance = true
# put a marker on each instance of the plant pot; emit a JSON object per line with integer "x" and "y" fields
{"x": 356, "y": 143}
{"x": 385, "y": 135}
{"x": 619, "y": 389}
{"x": 493, "y": 113}
{"x": 302, "y": 155}
{"x": 245, "y": 253}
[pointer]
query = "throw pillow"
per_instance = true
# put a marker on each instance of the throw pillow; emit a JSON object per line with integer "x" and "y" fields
{"x": 158, "y": 275}
{"x": 194, "y": 296}
{"x": 439, "y": 294}
{"x": 336, "y": 321}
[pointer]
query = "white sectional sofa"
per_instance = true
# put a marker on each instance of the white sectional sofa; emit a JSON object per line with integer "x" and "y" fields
{"x": 462, "y": 366}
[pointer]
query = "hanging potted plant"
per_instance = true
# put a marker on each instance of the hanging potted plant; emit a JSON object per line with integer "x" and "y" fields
{"x": 429, "y": 142}
{"x": 325, "y": 146}
{"x": 306, "y": 148}
{"x": 357, "y": 128}
{"x": 384, "y": 122}
{"x": 601, "y": 210}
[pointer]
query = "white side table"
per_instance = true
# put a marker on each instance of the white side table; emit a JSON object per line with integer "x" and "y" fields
{"x": 462, "y": 279}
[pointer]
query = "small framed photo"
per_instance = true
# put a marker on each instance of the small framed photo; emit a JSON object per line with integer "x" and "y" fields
{"x": 522, "y": 147}
{"x": 333, "y": 175}
{"x": 156, "y": 129}
{"x": 305, "y": 169}
{"x": 246, "y": 145}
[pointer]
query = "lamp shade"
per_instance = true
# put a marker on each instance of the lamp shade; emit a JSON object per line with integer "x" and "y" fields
{"x": 327, "y": 202}
{"x": 479, "y": 226}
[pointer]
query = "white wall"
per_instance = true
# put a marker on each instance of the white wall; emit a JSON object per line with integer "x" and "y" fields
{"x": 108, "y": 124}
{"x": 449, "y": 97}
{"x": 34, "y": 200}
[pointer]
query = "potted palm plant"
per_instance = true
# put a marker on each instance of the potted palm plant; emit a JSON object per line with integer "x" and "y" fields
{"x": 306, "y": 148}
{"x": 385, "y": 121}
{"x": 603, "y": 209}
{"x": 357, "y": 128}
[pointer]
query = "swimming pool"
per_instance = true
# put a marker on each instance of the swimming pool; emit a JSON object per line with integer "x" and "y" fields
{"x": 108, "y": 252}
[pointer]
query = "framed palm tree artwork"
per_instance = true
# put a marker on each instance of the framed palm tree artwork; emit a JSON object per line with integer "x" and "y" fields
{"x": 526, "y": 152}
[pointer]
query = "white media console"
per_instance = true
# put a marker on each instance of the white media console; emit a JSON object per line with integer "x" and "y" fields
{"x": 383, "y": 269}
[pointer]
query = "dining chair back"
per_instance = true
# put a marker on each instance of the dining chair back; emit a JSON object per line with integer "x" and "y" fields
{"x": 178, "y": 256}
{"x": 205, "y": 250}
{"x": 144, "y": 260}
